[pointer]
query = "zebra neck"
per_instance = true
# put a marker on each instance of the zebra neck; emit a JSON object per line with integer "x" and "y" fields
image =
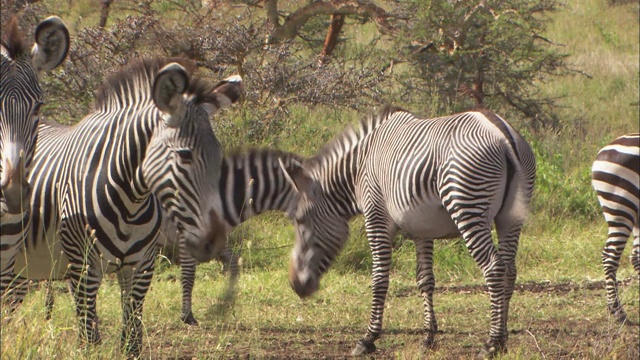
{"x": 337, "y": 177}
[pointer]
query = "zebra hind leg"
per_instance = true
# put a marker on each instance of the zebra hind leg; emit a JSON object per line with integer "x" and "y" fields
{"x": 611, "y": 254}
{"x": 426, "y": 284}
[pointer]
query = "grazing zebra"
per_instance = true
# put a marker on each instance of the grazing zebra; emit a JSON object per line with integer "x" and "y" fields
{"x": 99, "y": 187}
{"x": 251, "y": 183}
{"x": 20, "y": 101}
{"x": 616, "y": 179}
{"x": 432, "y": 178}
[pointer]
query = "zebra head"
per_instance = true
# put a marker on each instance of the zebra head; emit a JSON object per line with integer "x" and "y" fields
{"x": 321, "y": 230}
{"x": 183, "y": 165}
{"x": 20, "y": 101}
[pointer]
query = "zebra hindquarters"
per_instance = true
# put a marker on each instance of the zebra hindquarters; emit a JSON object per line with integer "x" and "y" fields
{"x": 474, "y": 199}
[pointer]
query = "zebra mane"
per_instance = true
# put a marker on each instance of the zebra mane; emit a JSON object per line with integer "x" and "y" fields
{"x": 352, "y": 135}
{"x": 13, "y": 40}
{"x": 136, "y": 82}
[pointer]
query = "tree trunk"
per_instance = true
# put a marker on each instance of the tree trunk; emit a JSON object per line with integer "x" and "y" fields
{"x": 337, "y": 21}
{"x": 104, "y": 12}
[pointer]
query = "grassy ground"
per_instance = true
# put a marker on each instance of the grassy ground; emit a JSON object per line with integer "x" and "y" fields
{"x": 558, "y": 310}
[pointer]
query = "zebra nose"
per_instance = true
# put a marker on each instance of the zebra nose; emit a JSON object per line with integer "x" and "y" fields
{"x": 304, "y": 288}
{"x": 16, "y": 194}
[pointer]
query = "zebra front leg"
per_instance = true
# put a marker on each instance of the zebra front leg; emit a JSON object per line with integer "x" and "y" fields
{"x": 49, "y": 299}
{"x": 635, "y": 251}
{"x": 134, "y": 284}
{"x": 229, "y": 259}
{"x": 84, "y": 286}
{"x": 188, "y": 275}
{"x": 426, "y": 284}
{"x": 381, "y": 248}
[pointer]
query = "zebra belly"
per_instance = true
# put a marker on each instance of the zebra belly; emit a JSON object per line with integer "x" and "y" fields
{"x": 429, "y": 220}
{"x": 45, "y": 261}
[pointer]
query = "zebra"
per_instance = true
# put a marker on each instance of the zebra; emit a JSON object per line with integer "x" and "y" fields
{"x": 616, "y": 180}
{"x": 430, "y": 178}
{"x": 99, "y": 187}
{"x": 20, "y": 100}
{"x": 251, "y": 182}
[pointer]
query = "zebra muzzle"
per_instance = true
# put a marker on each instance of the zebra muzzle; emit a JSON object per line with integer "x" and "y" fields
{"x": 15, "y": 194}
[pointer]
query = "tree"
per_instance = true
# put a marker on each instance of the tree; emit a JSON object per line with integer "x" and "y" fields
{"x": 489, "y": 53}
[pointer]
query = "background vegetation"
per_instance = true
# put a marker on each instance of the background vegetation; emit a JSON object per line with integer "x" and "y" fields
{"x": 566, "y": 77}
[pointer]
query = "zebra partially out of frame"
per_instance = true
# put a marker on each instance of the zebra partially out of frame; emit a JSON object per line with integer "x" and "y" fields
{"x": 20, "y": 102}
{"x": 99, "y": 187}
{"x": 431, "y": 178}
{"x": 251, "y": 182}
{"x": 616, "y": 179}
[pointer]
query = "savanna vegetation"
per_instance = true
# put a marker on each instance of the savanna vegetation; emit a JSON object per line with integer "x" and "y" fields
{"x": 565, "y": 74}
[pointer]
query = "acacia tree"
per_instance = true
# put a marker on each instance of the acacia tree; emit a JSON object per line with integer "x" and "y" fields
{"x": 489, "y": 53}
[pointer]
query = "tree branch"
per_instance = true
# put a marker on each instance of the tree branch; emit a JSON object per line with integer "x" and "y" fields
{"x": 298, "y": 18}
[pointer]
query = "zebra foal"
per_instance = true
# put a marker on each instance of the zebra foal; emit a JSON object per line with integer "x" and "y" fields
{"x": 432, "y": 178}
{"x": 20, "y": 101}
{"x": 616, "y": 180}
{"x": 100, "y": 188}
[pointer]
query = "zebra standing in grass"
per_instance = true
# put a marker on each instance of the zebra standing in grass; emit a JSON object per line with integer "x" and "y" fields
{"x": 616, "y": 179}
{"x": 250, "y": 183}
{"x": 20, "y": 101}
{"x": 432, "y": 178}
{"x": 99, "y": 187}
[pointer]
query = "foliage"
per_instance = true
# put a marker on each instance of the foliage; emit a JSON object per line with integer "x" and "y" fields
{"x": 492, "y": 54}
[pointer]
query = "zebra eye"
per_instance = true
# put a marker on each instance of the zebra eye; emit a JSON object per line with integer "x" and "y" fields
{"x": 186, "y": 155}
{"x": 36, "y": 110}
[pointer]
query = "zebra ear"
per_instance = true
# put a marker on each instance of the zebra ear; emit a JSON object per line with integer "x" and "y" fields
{"x": 225, "y": 93}
{"x": 298, "y": 177}
{"x": 169, "y": 85}
{"x": 52, "y": 44}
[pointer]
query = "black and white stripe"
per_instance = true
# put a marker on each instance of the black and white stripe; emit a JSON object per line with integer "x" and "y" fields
{"x": 251, "y": 183}
{"x": 99, "y": 187}
{"x": 432, "y": 178}
{"x": 20, "y": 101}
{"x": 616, "y": 179}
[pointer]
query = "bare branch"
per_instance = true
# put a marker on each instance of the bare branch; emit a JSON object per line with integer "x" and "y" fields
{"x": 299, "y": 18}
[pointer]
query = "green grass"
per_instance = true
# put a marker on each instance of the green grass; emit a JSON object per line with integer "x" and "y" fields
{"x": 561, "y": 314}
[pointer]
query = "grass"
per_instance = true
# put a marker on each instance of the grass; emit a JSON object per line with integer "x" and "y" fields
{"x": 557, "y": 313}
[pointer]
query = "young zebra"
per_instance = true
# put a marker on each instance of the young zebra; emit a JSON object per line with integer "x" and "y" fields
{"x": 432, "y": 178}
{"x": 20, "y": 101}
{"x": 616, "y": 179}
{"x": 100, "y": 185}
{"x": 251, "y": 183}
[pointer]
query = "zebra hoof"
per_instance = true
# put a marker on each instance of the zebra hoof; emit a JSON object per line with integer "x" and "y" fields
{"x": 489, "y": 351}
{"x": 189, "y": 319}
{"x": 429, "y": 343}
{"x": 363, "y": 347}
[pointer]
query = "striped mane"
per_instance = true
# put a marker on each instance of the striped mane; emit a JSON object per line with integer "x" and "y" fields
{"x": 134, "y": 83}
{"x": 351, "y": 136}
{"x": 13, "y": 41}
